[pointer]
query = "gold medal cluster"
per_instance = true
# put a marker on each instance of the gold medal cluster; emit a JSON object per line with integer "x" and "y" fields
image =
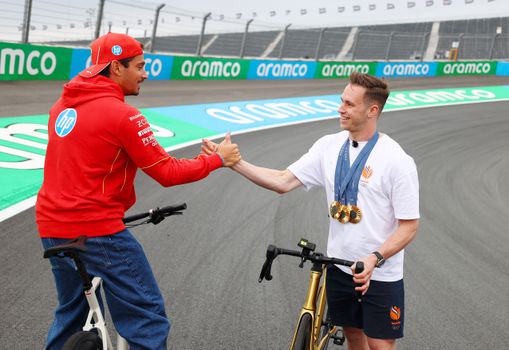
{"x": 345, "y": 213}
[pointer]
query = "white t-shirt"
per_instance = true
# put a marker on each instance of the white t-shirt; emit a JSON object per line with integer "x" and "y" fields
{"x": 388, "y": 191}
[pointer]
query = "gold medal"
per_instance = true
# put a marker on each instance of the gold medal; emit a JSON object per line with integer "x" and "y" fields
{"x": 334, "y": 210}
{"x": 355, "y": 215}
{"x": 344, "y": 214}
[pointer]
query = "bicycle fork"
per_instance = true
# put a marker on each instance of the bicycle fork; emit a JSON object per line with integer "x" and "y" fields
{"x": 315, "y": 310}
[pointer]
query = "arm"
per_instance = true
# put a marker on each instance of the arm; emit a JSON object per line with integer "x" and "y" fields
{"x": 137, "y": 139}
{"x": 171, "y": 171}
{"x": 280, "y": 181}
{"x": 404, "y": 234}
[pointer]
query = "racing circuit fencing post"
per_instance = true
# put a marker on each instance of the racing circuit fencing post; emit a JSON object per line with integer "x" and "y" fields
{"x": 281, "y": 49}
{"x": 387, "y": 52}
{"x": 99, "y": 18}
{"x": 355, "y": 40}
{"x": 200, "y": 40}
{"x": 26, "y": 21}
{"x": 154, "y": 30}
{"x": 493, "y": 42}
{"x": 244, "y": 39}
{"x": 319, "y": 45}
{"x": 424, "y": 45}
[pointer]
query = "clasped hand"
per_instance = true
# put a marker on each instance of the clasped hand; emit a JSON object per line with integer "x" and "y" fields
{"x": 226, "y": 149}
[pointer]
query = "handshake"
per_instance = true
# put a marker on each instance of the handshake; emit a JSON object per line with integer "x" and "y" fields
{"x": 228, "y": 151}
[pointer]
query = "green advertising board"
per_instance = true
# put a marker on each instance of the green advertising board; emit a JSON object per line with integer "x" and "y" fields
{"x": 31, "y": 62}
{"x": 201, "y": 68}
{"x": 467, "y": 68}
{"x": 328, "y": 70}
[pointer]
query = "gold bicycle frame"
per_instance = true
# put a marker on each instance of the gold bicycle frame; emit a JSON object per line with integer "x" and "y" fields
{"x": 314, "y": 305}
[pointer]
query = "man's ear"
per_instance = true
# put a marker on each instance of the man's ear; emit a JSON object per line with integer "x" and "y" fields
{"x": 115, "y": 68}
{"x": 374, "y": 111}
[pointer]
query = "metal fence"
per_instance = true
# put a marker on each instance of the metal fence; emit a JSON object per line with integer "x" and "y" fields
{"x": 168, "y": 29}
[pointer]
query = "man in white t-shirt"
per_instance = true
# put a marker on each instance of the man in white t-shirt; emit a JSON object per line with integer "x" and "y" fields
{"x": 372, "y": 190}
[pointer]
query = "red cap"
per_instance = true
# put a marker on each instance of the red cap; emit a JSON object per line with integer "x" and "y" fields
{"x": 110, "y": 47}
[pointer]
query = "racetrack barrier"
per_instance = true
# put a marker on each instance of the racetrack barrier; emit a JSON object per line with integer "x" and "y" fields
{"x": 39, "y": 62}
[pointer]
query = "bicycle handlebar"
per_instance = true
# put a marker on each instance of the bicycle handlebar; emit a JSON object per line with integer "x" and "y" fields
{"x": 306, "y": 255}
{"x": 72, "y": 248}
{"x": 158, "y": 214}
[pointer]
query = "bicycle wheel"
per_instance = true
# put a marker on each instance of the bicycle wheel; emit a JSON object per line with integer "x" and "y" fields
{"x": 303, "y": 333}
{"x": 83, "y": 340}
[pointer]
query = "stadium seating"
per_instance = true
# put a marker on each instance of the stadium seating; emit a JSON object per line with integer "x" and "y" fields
{"x": 475, "y": 39}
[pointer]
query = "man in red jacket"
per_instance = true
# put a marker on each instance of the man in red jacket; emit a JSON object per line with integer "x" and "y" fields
{"x": 96, "y": 144}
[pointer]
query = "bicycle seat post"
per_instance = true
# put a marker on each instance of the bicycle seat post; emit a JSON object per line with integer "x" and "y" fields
{"x": 87, "y": 283}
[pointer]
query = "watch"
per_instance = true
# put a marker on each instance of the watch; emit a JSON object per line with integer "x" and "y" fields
{"x": 380, "y": 259}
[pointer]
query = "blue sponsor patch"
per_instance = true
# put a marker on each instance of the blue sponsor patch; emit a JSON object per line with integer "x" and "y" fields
{"x": 66, "y": 121}
{"x": 503, "y": 68}
{"x": 272, "y": 69}
{"x": 158, "y": 67}
{"x": 80, "y": 60}
{"x": 406, "y": 69}
{"x": 116, "y": 50}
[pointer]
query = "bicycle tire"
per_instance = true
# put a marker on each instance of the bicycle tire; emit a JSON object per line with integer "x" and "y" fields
{"x": 303, "y": 335}
{"x": 84, "y": 340}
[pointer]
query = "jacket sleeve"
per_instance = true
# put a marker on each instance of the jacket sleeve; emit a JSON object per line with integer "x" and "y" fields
{"x": 138, "y": 141}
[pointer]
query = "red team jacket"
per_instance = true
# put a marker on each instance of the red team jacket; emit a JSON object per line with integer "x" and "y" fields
{"x": 96, "y": 144}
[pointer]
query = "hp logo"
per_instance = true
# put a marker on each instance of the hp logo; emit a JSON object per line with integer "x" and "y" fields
{"x": 66, "y": 121}
{"x": 116, "y": 50}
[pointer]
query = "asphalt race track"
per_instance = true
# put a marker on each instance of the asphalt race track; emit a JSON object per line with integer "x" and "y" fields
{"x": 207, "y": 261}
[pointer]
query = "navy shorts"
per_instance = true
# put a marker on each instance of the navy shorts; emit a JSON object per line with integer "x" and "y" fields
{"x": 381, "y": 312}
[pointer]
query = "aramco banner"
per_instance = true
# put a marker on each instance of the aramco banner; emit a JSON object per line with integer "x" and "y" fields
{"x": 34, "y": 62}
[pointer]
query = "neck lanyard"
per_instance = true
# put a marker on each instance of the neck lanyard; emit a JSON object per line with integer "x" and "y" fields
{"x": 346, "y": 179}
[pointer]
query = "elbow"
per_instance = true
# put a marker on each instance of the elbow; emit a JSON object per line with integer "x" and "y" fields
{"x": 409, "y": 229}
{"x": 282, "y": 188}
{"x": 413, "y": 229}
{"x": 165, "y": 182}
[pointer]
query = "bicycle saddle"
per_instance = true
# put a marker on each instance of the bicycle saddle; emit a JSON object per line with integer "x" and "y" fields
{"x": 76, "y": 245}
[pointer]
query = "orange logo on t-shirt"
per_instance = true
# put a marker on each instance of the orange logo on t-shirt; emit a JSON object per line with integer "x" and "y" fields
{"x": 395, "y": 313}
{"x": 367, "y": 172}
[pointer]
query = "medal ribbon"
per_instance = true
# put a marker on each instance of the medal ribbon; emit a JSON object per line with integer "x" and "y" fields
{"x": 346, "y": 179}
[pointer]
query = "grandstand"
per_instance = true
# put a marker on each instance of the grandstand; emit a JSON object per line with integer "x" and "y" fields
{"x": 475, "y": 38}
{"x": 463, "y": 39}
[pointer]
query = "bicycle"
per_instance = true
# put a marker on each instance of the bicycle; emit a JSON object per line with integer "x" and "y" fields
{"x": 307, "y": 335}
{"x": 94, "y": 335}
